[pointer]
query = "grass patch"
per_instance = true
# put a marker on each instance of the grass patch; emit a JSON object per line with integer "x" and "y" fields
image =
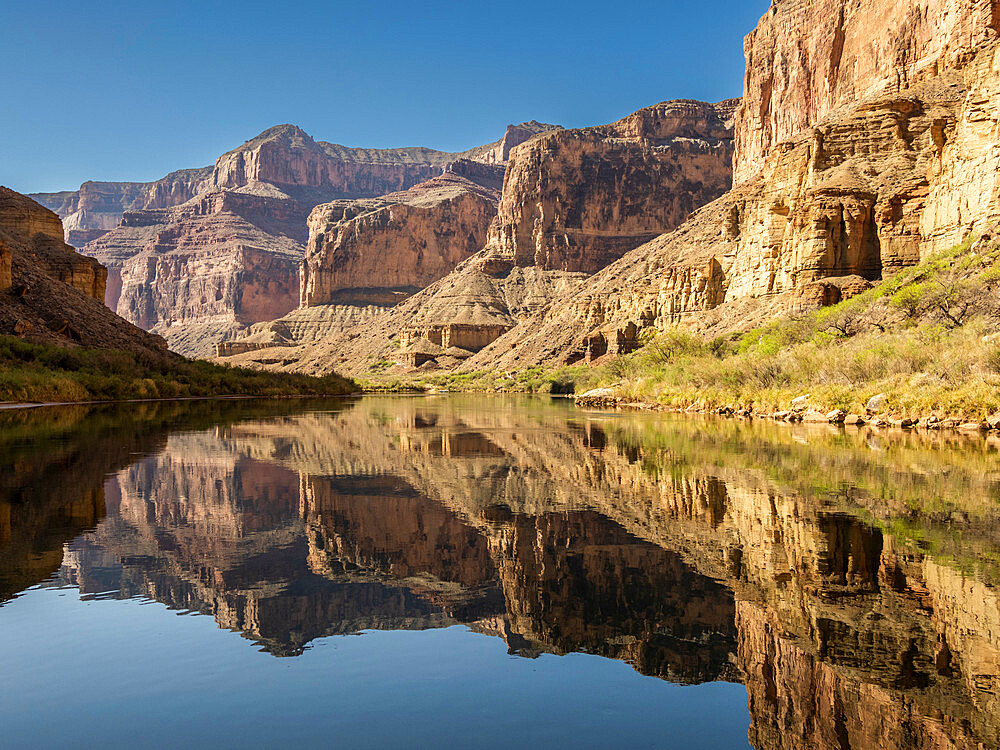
{"x": 922, "y": 336}
{"x": 39, "y": 372}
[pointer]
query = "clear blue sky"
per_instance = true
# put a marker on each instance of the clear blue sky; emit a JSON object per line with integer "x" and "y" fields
{"x": 132, "y": 90}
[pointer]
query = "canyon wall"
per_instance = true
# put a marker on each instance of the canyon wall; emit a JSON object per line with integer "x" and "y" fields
{"x": 807, "y": 59}
{"x": 575, "y": 200}
{"x": 51, "y": 294}
{"x": 97, "y": 207}
{"x": 283, "y": 157}
{"x": 195, "y": 272}
{"x": 38, "y": 234}
{"x": 571, "y": 202}
{"x": 401, "y": 241}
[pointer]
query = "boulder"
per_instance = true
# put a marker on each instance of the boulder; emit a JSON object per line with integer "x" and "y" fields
{"x": 876, "y": 403}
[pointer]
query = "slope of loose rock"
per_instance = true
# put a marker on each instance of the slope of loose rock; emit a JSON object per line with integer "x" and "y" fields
{"x": 54, "y": 294}
{"x": 872, "y": 188}
{"x": 572, "y": 201}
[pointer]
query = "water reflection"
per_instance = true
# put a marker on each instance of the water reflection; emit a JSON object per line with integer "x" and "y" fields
{"x": 848, "y": 580}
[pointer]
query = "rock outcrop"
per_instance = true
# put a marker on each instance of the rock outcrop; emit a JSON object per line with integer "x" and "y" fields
{"x": 366, "y": 255}
{"x": 861, "y": 190}
{"x": 195, "y": 272}
{"x": 97, "y": 207}
{"x": 400, "y": 241}
{"x": 806, "y": 60}
{"x": 572, "y": 201}
{"x": 576, "y": 200}
{"x": 6, "y": 259}
{"x": 50, "y": 293}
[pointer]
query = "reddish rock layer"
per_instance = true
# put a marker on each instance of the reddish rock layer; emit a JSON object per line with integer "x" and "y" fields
{"x": 197, "y": 271}
{"x": 575, "y": 200}
{"x": 49, "y": 292}
{"x": 401, "y": 241}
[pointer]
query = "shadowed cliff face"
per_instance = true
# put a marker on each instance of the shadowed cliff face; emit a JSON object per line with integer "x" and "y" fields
{"x": 847, "y": 579}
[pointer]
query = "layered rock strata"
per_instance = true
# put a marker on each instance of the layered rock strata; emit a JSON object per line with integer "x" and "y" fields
{"x": 201, "y": 254}
{"x": 870, "y": 189}
{"x": 50, "y": 293}
{"x": 575, "y": 200}
{"x": 97, "y": 207}
{"x": 366, "y": 255}
{"x": 195, "y": 272}
{"x": 572, "y": 201}
{"x": 400, "y": 241}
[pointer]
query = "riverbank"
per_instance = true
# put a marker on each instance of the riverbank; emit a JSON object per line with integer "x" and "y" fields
{"x": 919, "y": 349}
{"x": 41, "y": 373}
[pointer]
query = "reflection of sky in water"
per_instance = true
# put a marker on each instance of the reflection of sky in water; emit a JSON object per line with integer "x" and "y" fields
{"x": 124, "y": 674}
{"x": 847, "y": 578}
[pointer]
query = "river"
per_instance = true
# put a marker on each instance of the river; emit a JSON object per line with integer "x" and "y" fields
{"x": 472, "y": 571}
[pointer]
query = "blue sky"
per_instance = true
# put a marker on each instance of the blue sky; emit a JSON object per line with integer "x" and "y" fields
{"x": 132, "y": 90}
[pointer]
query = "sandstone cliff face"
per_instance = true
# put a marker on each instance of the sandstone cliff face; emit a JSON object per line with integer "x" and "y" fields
{"x": 195, "y": 272}
{"x": 872, "y": 188}
{"x": 499, "y": 153}
{"x": 401, "y": 241}
{"x": 40, "y": 233}
{"x": 48, "y": 291}
{"x": 575, "y": 200}
{"x": 6, "y": 259}
{"x": 805, "y": 60}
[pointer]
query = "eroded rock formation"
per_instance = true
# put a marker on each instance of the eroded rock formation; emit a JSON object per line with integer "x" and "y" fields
{"x": 572, "y": 201}
{"x": 400, "y": 241}
{"x": 202, "y": 254}
{"x": 97, "y": 207}
{"x": 856, "y": 189}
{"x": 49, "y": 292}
{"x": 806, "y": 60}
{"x": 197, "y": 271}
{"x": 575, "y": 200}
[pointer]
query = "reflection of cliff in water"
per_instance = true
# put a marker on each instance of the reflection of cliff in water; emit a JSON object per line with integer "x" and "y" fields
{"x": 53, "y": 463}
{"x": 285, "y": 558}
{"x": 848, "y": 581}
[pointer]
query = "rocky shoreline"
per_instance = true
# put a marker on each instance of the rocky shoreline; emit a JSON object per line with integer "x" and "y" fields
{"x": 801, "y": 411}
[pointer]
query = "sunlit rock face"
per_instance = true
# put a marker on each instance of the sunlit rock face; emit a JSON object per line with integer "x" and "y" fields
{"x": 808, "y": 59}
{"x": 39, "y": 231}
{"x": 575, "y": 200}
{"x": 202, "y": 254}
{"x": 866, "y": 140}
{"x": 50, "y": 290}
{"x": 215, "y": 264}
{"x": 399, "y": 242}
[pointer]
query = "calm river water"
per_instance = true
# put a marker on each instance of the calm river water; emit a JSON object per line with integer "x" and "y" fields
{"x": 461, "y": 571}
